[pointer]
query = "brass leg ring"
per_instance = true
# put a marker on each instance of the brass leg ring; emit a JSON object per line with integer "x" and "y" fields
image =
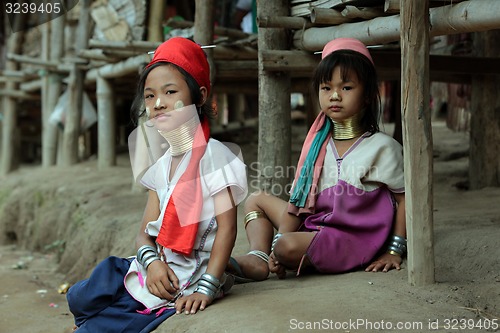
{"x": 254, "y": 214}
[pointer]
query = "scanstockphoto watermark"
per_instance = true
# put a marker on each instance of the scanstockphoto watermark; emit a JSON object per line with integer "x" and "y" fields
{"x": 352, "y": 325}
{"x": 258, "y": 172}
{"x": 356, "y": 324}
{"x": 26, "y": 14}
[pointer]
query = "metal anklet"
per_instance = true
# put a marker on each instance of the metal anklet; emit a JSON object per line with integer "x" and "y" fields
{"x": 254, "y": 214}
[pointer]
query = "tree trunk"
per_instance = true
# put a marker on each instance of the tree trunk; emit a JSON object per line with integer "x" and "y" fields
{"x": 484, "y": 160}
{"x": 417, "y": 140}
{"x": 274, "y": 108}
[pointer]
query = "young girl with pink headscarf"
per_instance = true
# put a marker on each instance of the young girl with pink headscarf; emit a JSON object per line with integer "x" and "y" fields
{"x": 347, "y": 208}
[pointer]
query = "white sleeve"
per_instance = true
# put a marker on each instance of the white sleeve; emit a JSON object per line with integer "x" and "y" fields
{"x": 149, "y": 178}
{"x": 388, "y": 168}
{"x": 223, "y": 167}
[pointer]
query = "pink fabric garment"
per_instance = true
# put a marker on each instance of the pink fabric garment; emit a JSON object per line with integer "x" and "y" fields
{"x": 311, "y": 198}
{"x": 346, "y": 44}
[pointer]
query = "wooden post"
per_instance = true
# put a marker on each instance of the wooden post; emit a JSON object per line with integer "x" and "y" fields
{"x": 106, "y": 143}
{"x": 9, "y": 150}
{"x": 274, "y": 107}
{"x": 75, "y": 87}
{"x": 484, "y": 163}
{"x": 156, "y": 16}
{"x": 204, "y": 30}
{"x": 417, "y": 140}
{"x": 50, "y": 132}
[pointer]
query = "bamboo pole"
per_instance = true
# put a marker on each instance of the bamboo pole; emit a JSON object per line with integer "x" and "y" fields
{"x": 126, "y": 67}
{"x": 156, "y": 15}
{"x": 219, "y": 31}
{"x": 45, "y": 55}
{"x": 285, "y": 22}
{"x": 44, "y": 62}
{"x": 106, "y": 147}
{"x": 466, "y": 16}
{"x": 365, "y": 13}
{"x": 391, "y": 6}
{"x": 9, "y": 148}
{"x": 136, "y": 45}
{"x": 274, "y": 106}
{"x": 327, "y": 16}
{"x": 16, "y": 94}
{"x": 71, "y": 134}
{"x": 417, "y": 140}
{"x": 50, "y": 132}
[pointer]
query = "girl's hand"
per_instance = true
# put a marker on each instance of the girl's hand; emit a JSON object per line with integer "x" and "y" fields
{"x": 162, "y": 281}
{"x": 192, "y": 303}
{"x": 385, "y": 262}
{"x": 275, "y": 267}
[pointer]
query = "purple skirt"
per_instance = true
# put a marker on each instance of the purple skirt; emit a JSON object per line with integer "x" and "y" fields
{"x": 353, "y": 226}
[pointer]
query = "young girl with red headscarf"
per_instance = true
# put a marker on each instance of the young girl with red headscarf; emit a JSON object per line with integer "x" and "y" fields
{"x": 188, "y": 228}
{"x": 346, "y": 209}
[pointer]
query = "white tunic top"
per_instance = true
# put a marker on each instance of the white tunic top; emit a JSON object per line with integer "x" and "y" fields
{"x": 220, "y": 167}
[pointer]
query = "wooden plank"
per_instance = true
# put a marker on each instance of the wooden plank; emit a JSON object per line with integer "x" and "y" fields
{"x": 417, "y": 140}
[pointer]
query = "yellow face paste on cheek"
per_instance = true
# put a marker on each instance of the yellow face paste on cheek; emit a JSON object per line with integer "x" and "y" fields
{"x": 178, "y": 105}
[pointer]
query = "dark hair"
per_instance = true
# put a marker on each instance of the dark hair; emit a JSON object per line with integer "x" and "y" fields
{"x": 353, "y": 61}
{"x": 138, "y": 109}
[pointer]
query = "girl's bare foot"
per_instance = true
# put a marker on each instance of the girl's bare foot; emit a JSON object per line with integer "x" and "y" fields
{"x": 251, "y": 266}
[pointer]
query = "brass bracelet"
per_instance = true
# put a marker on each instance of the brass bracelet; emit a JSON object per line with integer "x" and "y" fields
{"x": 394, "y": 253}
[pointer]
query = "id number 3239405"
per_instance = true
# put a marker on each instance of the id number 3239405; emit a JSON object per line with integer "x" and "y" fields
{"x": 33, "y": 8}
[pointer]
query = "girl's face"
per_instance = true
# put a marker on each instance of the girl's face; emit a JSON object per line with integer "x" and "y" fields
{"x": 165, "y": 89}
{"x": 341, "y": 99}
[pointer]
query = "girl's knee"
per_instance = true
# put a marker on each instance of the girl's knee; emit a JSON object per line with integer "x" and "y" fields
{"x": 285, "y": 249}
{"x": 253, "y": 201}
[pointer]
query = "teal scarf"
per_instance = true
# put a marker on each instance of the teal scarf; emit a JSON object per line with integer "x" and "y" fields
{"x": 303, "y": 183}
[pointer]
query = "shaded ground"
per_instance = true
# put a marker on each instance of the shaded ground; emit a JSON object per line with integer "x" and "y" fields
{"x": 56, "y": 224}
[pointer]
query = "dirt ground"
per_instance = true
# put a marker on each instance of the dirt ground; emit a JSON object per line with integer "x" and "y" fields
{"x": 56, "y": 224}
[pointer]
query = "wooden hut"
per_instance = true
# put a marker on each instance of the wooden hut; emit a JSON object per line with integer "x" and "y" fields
{"x": 272, "y": 63}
